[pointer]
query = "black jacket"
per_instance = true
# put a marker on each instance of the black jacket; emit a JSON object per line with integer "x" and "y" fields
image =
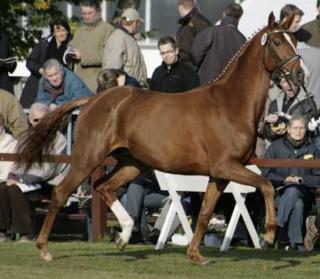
{"x": 5, "y": 52}
{"x": 214, "y": 47}
{"x": 190, "y": 26}
{"x": 178, "y": 78}
{"x": 283, "y": 149}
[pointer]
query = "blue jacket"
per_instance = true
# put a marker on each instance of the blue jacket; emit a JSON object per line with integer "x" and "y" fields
{"x": 73, "y": 88}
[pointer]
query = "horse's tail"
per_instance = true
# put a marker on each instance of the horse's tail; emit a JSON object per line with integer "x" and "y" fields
{"x": 39, "y": 140}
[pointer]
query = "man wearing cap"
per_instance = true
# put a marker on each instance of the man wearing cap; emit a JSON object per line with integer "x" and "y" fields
{"x": 88, "y": 42}
{"x": 122, "y": 51}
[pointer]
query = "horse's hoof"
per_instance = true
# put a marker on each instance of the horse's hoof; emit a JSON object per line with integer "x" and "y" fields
{"x": 46, "y": 256}
{"x": 265, "y": 245}
{"x": 120, "y": 243}
{"x": 196, "y": 258}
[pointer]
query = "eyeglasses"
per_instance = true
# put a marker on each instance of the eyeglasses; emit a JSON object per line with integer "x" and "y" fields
{"x": 167, "y": 52}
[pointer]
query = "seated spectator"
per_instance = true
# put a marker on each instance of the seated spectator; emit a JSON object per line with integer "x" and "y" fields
{"x": 52, "y": 46}
{"x": 109, "y": 78}
{"x": 293, "y": 186}
{"x": 15, "y": 121}
{"x": 290, "y": 102}
{"x": 20, "y": 190}
{"x": 59, "y": 85}
{"x": 142, "y": 192}
{"x": 7, "y": 145}
{"x": 313, "y": 231}
{"x": 172, "y": 76}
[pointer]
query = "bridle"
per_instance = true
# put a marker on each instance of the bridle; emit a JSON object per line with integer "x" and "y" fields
{"x": 281, "y": 71}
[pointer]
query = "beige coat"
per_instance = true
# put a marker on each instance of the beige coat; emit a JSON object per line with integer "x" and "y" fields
{"x": 14, "y": 117}
{"x": 90, "y": 41}
{"x": 123, "y": 52}
{"x": 7, "y": 145}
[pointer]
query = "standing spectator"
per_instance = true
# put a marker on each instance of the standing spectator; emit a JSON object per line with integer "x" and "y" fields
{"x": 290, "y": 102}
{"x": 109, "y": 78}
{"x": 15, "y": 120}
{"x": 6, "y": 67}
{"x": 59, "y": 85}
{"x": 291, "y": 13}
{"x": 215, "y": 46}
{"x": 191, "y": 23}
{"x": 293, "y": 185}
{"x": 52, "y": 47}
{"x": 122, "y": 50}
{"x": 88, "y": 43}
{"x": 20, "y": 190}
{"x": 313, "y": 28}
{"x": 172, "y": 75}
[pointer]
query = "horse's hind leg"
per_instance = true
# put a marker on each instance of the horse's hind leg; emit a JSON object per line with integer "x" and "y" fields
{"x": 107, "y": 190}
{"x": 59, "y": 196}
{"x": 212, "y": 194}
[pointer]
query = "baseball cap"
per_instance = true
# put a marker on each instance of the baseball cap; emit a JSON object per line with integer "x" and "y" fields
{"x": 131, "y": 14}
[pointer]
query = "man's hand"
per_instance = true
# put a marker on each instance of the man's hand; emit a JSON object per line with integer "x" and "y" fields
{"x": 293, "y": 180}
{"x": 271, "y": 118}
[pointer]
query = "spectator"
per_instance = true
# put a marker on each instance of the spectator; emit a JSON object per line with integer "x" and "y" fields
{"x": 172, "y": 75}
{"x": 53, "y": 46}
{"x": 313, "y": 28}
{"x": 313, "y": 232}
{"x": 215, "y": 46}
{"x": 15, "y": 120}
{"x": 109, "y": 78}
{"x": 191, "y": 23}
{"x": 290, "y": 102}
{"x": 291, "y": 13}
{"x": 6, "y": 66}
{"x": 88, "y": 43}
{"x": 59, "y": 85}
{"x": 7, "y": 145}
{"x": 122, "y": 51}
{"x": 19, "y": 191}
{"x": 293, "y": 185}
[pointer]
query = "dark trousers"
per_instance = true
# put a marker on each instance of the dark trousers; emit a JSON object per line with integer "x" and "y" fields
{"x": 292, "y": 203}
{"x": 15, "y": 208}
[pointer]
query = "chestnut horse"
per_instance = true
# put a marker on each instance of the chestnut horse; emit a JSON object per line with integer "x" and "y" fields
{"x": 209, "y": 131}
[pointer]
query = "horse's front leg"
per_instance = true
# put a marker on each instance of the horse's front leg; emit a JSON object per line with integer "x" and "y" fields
{"x": 214, "y": 190}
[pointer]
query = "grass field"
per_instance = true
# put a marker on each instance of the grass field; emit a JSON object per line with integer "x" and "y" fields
{"x": 77, "y": 260}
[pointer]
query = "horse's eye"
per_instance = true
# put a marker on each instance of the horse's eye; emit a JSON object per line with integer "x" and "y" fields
{"x": 277, "y": 42}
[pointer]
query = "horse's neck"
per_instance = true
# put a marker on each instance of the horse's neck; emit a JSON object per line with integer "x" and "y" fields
{"x": 249, "y": 79}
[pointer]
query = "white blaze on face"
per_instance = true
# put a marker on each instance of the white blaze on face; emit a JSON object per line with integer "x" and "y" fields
{"x": 302, "y": 65}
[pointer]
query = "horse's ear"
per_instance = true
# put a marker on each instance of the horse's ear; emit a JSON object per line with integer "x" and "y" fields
{"x": 271, "y": 20}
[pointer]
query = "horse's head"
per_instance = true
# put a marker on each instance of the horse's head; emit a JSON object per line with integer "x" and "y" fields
{"x": 280, "y": 55}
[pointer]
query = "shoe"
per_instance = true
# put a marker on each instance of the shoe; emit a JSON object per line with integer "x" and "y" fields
{"x": 312, "y": 234}
{"x": 295, "y": 247}
{"x": 26, "y": 239}
{"x": 154, "y": 235}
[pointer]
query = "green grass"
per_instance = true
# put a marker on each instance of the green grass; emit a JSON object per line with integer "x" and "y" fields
{"x": 77, "y": 260}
